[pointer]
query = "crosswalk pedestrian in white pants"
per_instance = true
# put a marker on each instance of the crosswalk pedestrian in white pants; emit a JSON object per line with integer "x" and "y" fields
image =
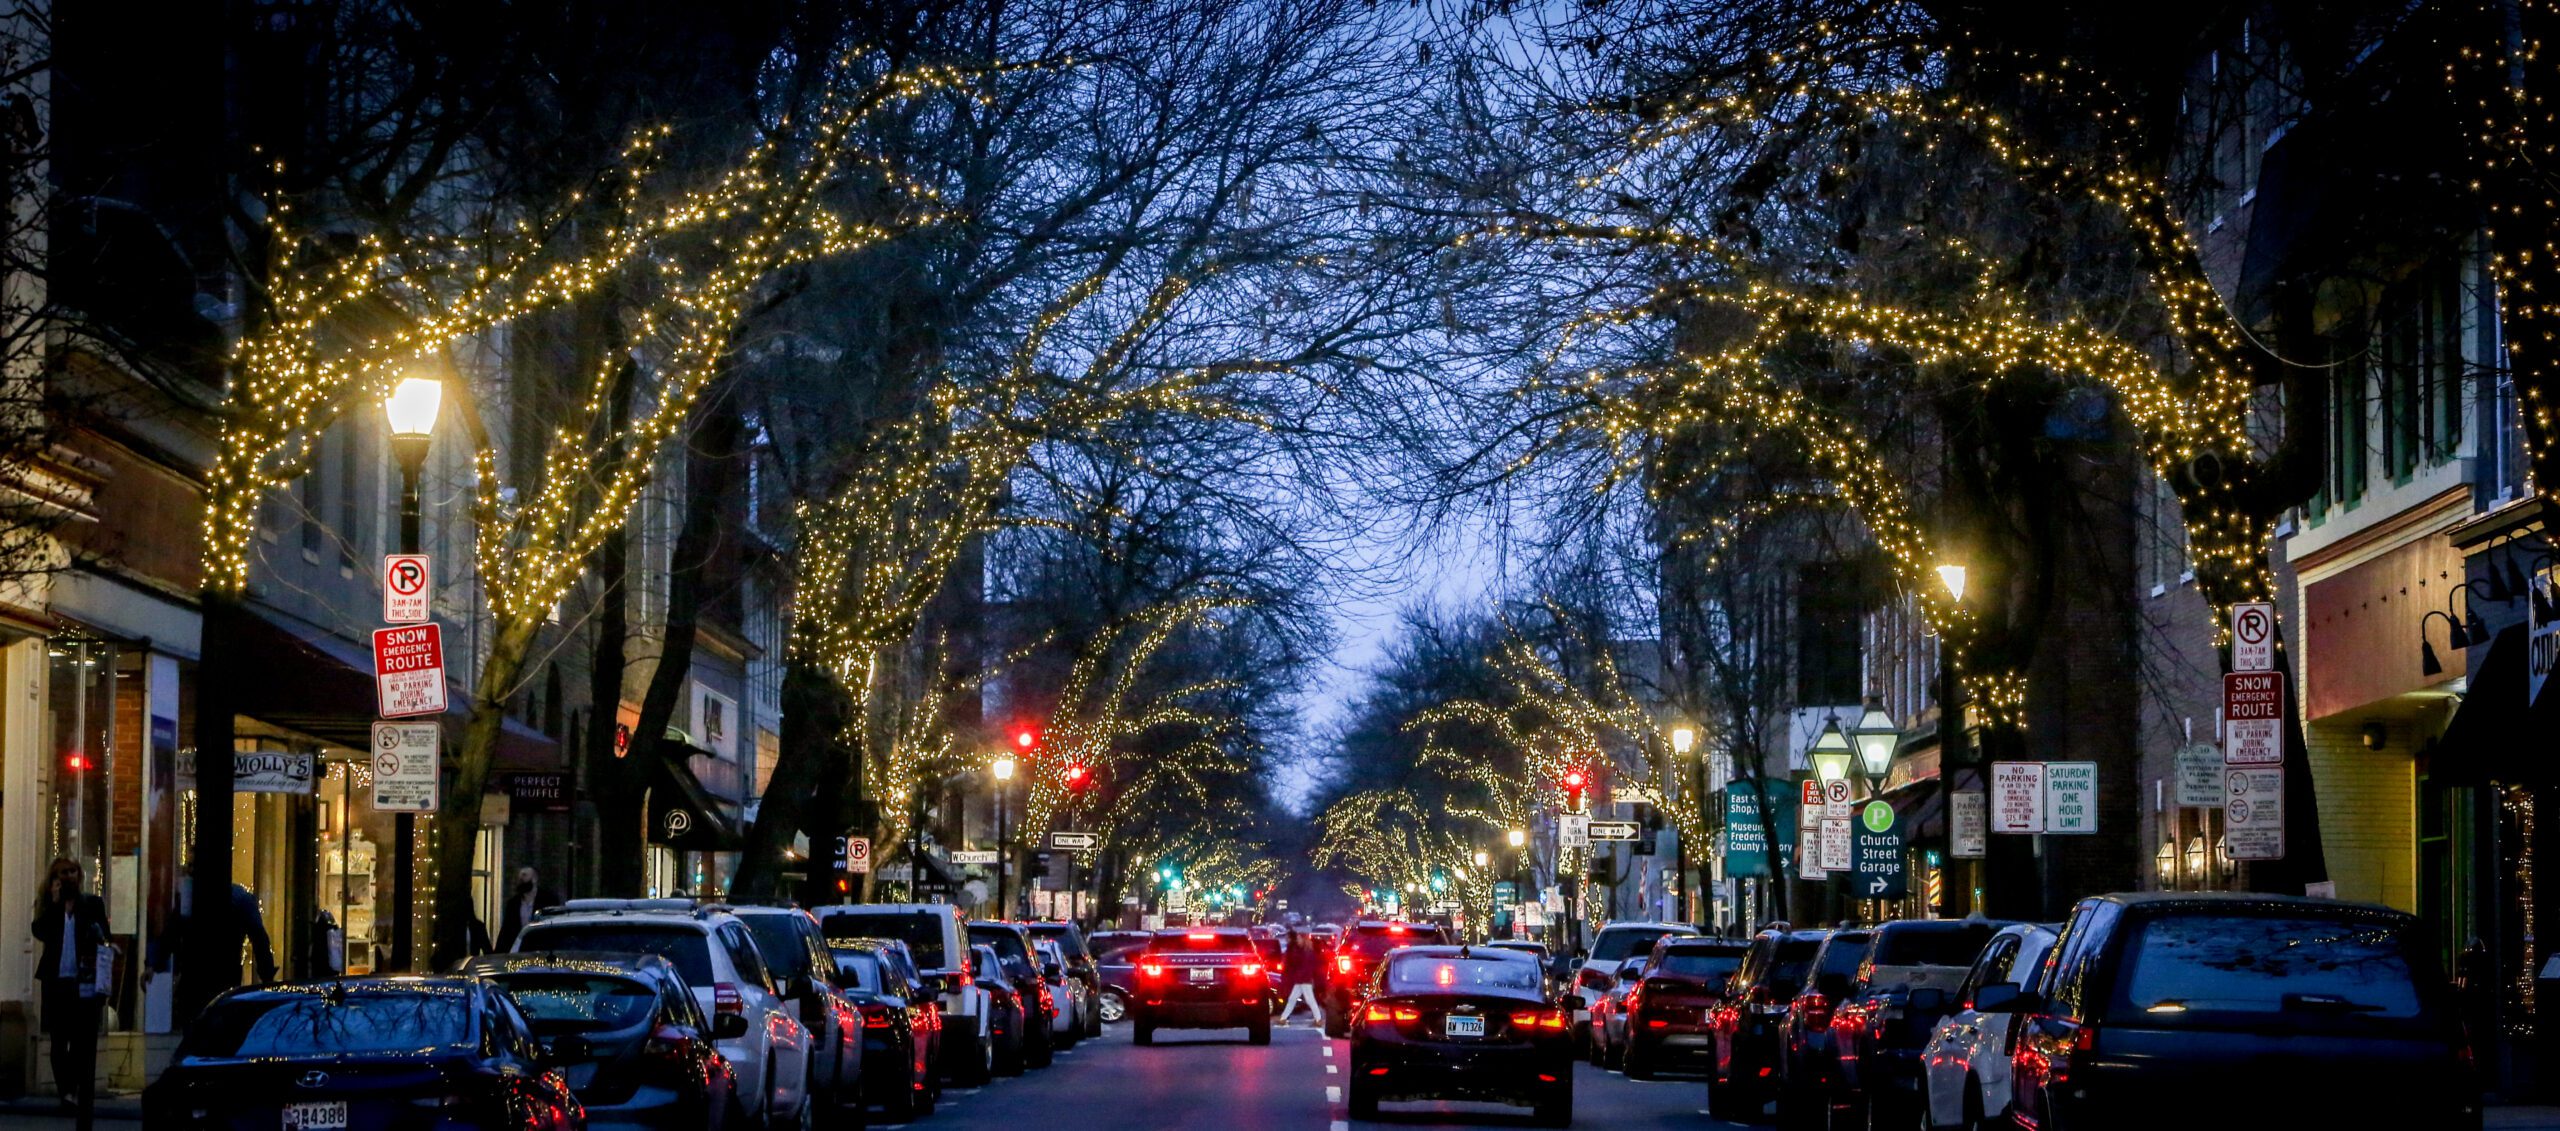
{"x": 1298, "y": 993}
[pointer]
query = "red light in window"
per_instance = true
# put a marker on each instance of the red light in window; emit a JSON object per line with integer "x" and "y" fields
{"x": 76, "y": 762}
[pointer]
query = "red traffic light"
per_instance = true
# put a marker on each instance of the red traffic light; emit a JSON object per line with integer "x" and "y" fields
{"x": 1026, "y": 738}
{"x": 1079, "y": 776}
{"x": 1573, "y": 778}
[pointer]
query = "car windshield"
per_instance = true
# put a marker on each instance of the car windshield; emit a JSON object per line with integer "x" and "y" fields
{"x": 572, "y": 1003}
{"x": 1704, "y": 965}
{"x": 321, "y": 1025}
{"x": 2305, "y": 966}
{"x": 1931, "y": 944}
{"x": 1448, "y": 974}
{"x": 863, "y": 970}
{"x": 783, "y": 948}
{"x": 1615, "y": 944}
{"x": 687, "y": 947}
{"x": 921, "y": 931}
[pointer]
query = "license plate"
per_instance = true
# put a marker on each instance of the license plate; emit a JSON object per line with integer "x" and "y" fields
{"x": 1459, "y": 1025}
{"x": 1203, "y": 974}
{"x": 315, "y": 1117}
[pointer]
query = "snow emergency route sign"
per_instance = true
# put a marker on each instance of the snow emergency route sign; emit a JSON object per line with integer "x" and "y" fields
{"x": 408, "y": 670}
{"x": 2252, "y": 719}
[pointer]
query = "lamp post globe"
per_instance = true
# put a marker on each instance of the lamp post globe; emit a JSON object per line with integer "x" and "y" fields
{"x": 1831, "y": 752}
{"x": 1952, "y": 576}
{"x": 1875, "y": 736}
{"x": 1517, "y": 837}
{"x": 1683, "y": 739}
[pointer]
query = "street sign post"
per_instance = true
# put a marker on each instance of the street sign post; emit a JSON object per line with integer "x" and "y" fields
{"x": 407, "y": 588}
{"x": 408, "y": 666}
{"x": 406, "y": 761}
{"x": 1969, "y": 818}
{"x": 1747, "y": 851}
{"x": 857, "y": 854}
{"x": 1836, "y": 844}
{"x": 2070, "y": 797}
{"x": 2253, "y": 812}
{"x": 2253, "y": 719}
{"x": 1573, "y": 830}
{"x": 1811, "y": 864}
{"x": 979, "y": 856}
{"x": 1073, "y": 842}
{"x": 2253, "y": 637}
{"x": 1836, "y": 805}
{"x": 1613, "y": 830}
{"x": 2017, "y": 797}
{"x": 1880, "y": 872}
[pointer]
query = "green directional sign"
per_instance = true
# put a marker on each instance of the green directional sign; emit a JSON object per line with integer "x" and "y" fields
{"x": 1747, "y": 851}
{"x": 1878, "y": 870}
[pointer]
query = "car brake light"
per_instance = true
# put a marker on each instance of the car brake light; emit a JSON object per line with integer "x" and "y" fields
{"x": 1342, "y": 962}
{"x": 669, "y": 1042}
{"x": 2085, "y": 1039}
{"x": 1538, "y": 1019}
{"x": 1381, "y": 1013}
{"x": 1395, "y": 928}
{"x": 1151, "y": 969}
{"x": 1406, "y": 1014}
{"x": 875, "y": 1017}
{"x": 1249, "y": 969}
{"x": 1201, "y": 936}
{"x": 1817, "y": 1009}
{"x": 725, "y": 999}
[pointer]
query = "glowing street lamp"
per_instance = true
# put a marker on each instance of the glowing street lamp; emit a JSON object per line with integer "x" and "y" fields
{"x": 1683, "y": 739}
{"x": 1951, "y": 575}
{"x": 1517, "y": 837}
{"x": 1831, "y": 753}
{"x": 1876, "y": 737}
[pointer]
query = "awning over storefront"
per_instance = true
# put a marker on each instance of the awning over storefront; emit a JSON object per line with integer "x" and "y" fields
{"x": 683, "y": 815}
{"x": 1920, "y": 807}
{"x": 321, "y": 684}
{"x": 2493, "y": 735}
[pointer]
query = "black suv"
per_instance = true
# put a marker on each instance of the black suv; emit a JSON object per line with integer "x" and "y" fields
{"x": 2251, "y": 1010}
{"x": 1746, "y": 1022}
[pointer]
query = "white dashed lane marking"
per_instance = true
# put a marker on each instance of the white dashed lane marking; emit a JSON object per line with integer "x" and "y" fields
{"x": 1332, "y": 1095}
{"x": 1330, "y": 1070}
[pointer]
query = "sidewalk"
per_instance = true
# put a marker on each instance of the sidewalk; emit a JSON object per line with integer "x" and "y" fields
{"x": 2523, "y": 1117}
{"x": 128, "y": 1108}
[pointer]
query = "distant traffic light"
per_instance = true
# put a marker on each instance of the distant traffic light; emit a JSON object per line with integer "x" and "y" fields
{"x": 1026, "y": 738}
{"x": 1079, "y": 776}
{"x": 1574, "y": 783}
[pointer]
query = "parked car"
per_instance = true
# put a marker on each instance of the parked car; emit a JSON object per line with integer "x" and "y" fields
{"x": 1079, "y": 962}
{"x": 1746, "y": 1023}
{"x": 935, "y": 937}
{"x": 1067, "y": 1021}
{"x": 1965, "y": 1066}
{"x": 718, "y": 958}
{"x": 1007, "y": 1006}
{"x": 1363, "y": 946}
{"x": 625, "y": 1034}
{"x": 447, "y": 1053}
{"x": 1666, "y": 1023}
{"x": 900, "y": 1023}
{"x": 1117, "y": 967}
{"x": 1608, "y": 1013}
{"x": 1201, "y": 978}
{"x": 1809, "y": 1061}
{"x": 1022, "y": 972}
{"x": 2272, "y": 1010}
{"x": 1461, "y": 1023}
{"x": 1906, "y": 985}
{"x": 795, "y": 952}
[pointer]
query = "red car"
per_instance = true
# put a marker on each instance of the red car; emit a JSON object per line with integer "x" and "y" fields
{"x": 1667, "y": 1012}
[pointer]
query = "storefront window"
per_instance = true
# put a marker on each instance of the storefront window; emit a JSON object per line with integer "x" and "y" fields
{"x": 354, "y": 866}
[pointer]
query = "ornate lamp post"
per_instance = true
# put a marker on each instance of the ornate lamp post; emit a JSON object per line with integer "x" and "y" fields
{"x": 412, "y": 408}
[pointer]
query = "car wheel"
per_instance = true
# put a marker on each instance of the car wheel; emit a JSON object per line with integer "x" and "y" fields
{"x": 1039, "y": 1051}
{"x": 1115, "y": 1007}
{"x": 1555, "y": 1109}
{"x": 977, "y": 1061}
{"x": 1260, "y": 1031}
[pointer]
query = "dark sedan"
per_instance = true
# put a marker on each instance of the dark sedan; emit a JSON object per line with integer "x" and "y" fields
{"x": 1461, "y": 1023}
{"x": 445, "y": 1053}
{"x": 898, "y": 1071}
{"x": 625, "y": 1033}
{"x": 1117, "y": 966}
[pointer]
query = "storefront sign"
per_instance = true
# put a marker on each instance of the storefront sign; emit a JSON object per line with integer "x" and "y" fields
{"x": 408, "y": 667}
{"x": 1968, "y": 814}
{"x": 2253, "y": 719}
{"x": 2070, "y": 797}
{"x": 406, "y": 588}
{"x": 539, "y": 793}
{"x": 406, "y": 761}
{"x": 259, "y": 771}
{"x": 2253, "y": 637}
{"x": 2017, "y": 797}
{"x": 2253, "y": 812}
{"x": 1880, "y": 871}
{"x": 2199, "y": 777}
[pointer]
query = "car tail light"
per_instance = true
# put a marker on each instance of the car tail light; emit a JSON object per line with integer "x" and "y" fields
{"x": 1342, "y": 962}
{"x": 875, "y": 1017}
{"x": 669, "y": 1042}
{"x": 1201, "y": 936}
{"x": 1817, "y": 1009}
{"x": 1394, "y": 1013}
{"x": 1248, "y": 970}
{"x": 1151, "y": 969}
{"x": 1552, "y": 1019}
{"x": 1380, "y": 1013}
{"x": 725, "y": 999}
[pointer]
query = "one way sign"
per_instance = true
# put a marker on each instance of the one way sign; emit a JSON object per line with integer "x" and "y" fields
{"x": 1073, "y": 842}
{"x": 1613, "y": 830}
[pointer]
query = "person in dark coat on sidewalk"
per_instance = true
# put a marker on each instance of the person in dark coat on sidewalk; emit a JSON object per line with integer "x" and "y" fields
{"x": 521, "y": 904}
{"x": 70, "y": 926}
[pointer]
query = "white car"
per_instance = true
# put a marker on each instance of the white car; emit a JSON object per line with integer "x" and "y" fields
{"x": 939, "y": 941}
{"x": 719, "y": 960}
{"x": 1964, "y": 1069}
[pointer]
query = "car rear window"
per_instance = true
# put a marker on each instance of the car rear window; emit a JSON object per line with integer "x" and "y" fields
{"x": 1448, "y": 974}
{"x": 1844, "y": 952}
{"x": 1064, "y": 936}
{"x": 1616, "y": 944}
{"x": 575, "y": 1003}
{"x": 1702, "y": 964}
{"x": 687, "y": 948}
{"x": 1793, "y": 958}
{"x": 1229, "y": 941}
{"x": 316, "y": 1025}
{"x": 1931, "y": 944}
{"x": 863, "y": 970}
{"x": 1006, "y": 941}
{"x": 2304, "y": 967}
{"x": 779, "y": 941}
{"x": 922, "y": 932}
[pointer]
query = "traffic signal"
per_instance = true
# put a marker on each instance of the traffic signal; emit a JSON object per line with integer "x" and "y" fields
{"x": 1079, "y": 776}
{"x": 1025, "y": 738}
{"x": 1575, "y": 781}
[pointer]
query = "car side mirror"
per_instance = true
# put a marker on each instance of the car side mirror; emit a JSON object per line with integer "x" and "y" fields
{"x": 567, "y": 1049}
{"x": 2005, "y": 998}
{"x": 728, "y": 1026}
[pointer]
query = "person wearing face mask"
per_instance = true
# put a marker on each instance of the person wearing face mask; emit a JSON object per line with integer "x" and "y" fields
{"x": 527, "y": 898}
{"x": 70, "y": 924}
